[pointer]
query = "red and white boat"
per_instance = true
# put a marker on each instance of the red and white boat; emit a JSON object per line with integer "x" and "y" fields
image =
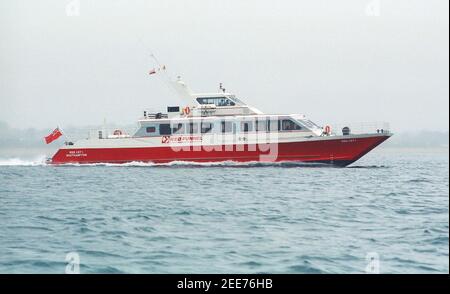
{"x": 216, "y": 127}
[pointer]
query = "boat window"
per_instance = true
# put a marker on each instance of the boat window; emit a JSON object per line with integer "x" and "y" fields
{"x": 151, "y": 129}
{"x": 226, "y": 127}
{"x": 173, "y": 108}
{"x": 164, "y": 129}
{"x": 309, "y": 124}
{"x": 218, "y": 101}
{"x": 260, "y": 125}
{"x": 193, "y": 128}
{"x": 237, "y": 100}
{"x": 273, "y": 125}
{"x": 246, "y": 126}
{"x": 289, "y": 125}
{"x": 206, "y": 127}
{"x": 178, "y": 128}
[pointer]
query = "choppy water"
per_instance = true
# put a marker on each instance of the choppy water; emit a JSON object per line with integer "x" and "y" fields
{"x": 281, "y": 218}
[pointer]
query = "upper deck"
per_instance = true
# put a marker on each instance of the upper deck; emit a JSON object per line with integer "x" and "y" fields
{"x": 219, "y": 103}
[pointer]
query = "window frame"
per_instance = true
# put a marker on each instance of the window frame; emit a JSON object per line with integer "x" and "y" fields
{"x": 269, "y": 125}
{"x": 192, "y": 128}
{"x": 249, "y": 125}
{"x": 177, "y": 131}
{"x": 259, "y": 128}
{"x": 297, "y": 127}
{"x": 223, "y": 129}
{"x": 216, "y": 101}
{"x": 210, "y": 130}
{"x": 169, "y": 128}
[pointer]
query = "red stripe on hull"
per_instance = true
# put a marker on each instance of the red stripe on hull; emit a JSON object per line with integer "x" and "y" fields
{"x": 340, "y": 151}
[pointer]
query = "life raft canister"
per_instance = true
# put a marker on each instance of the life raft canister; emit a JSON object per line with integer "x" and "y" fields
{"x": 327, "y": 130}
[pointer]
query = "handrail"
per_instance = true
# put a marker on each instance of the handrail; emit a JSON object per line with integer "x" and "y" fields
{"x": 361, "y": 128}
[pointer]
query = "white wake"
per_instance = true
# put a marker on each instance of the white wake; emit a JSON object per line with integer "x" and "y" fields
{"x": 16, "y": 161}
{"x": 41, "y": 161}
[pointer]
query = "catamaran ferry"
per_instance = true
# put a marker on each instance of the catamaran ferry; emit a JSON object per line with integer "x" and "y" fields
{"x": 214, "y": 127}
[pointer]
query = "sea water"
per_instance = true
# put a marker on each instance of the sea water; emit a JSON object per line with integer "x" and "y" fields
{"x": 387, "y": 213}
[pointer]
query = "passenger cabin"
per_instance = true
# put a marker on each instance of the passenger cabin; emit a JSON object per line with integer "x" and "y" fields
{"x": 251, "y": 124}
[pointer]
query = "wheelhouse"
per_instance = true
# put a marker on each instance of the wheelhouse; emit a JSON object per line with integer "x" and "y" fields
{"x": 221, "y": 100}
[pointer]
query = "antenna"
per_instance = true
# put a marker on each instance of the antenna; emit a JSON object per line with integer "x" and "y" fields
{"x": 179, "y": 88}
{"x": 156, "y": 60}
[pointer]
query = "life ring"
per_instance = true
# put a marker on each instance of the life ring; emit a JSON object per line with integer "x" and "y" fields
{"x": 117, "y": 133}
{"x": 186, "y": 110}
{"x": 327, "y": 130}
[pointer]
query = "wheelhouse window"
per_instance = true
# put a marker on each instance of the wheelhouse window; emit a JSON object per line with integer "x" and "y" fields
{"x": 237, "y": 100}
{"x": 289, "y": 125}
{"x": 206, "y": 127}
{"x": 164, "y": 129}
{"x": 308, "y": 123}
{"x": 226, "y": 126}
{"x": 246, "y": 126}
{"x": 150, "y": 130}
{"x": 192, "y": 128}
{"x": 218, "y": 101}
{"x": 178, "y": 128}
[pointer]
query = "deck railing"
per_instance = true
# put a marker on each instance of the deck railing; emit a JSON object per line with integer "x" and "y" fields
{"x": 105, "y": 132}
{"x": 361, "y": 128}
{"x": 75, "y": 134}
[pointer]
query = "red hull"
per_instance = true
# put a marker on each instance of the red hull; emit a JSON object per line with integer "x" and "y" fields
{"x": 339, "y": 152}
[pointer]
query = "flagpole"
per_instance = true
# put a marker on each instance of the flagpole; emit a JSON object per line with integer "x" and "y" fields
{"x": 64, "y": 134}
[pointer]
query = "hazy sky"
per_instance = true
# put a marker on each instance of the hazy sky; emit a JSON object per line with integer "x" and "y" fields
{"x": 335, "y": 61}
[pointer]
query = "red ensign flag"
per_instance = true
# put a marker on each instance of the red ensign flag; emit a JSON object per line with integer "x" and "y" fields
{"x": 53, "y": 136}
